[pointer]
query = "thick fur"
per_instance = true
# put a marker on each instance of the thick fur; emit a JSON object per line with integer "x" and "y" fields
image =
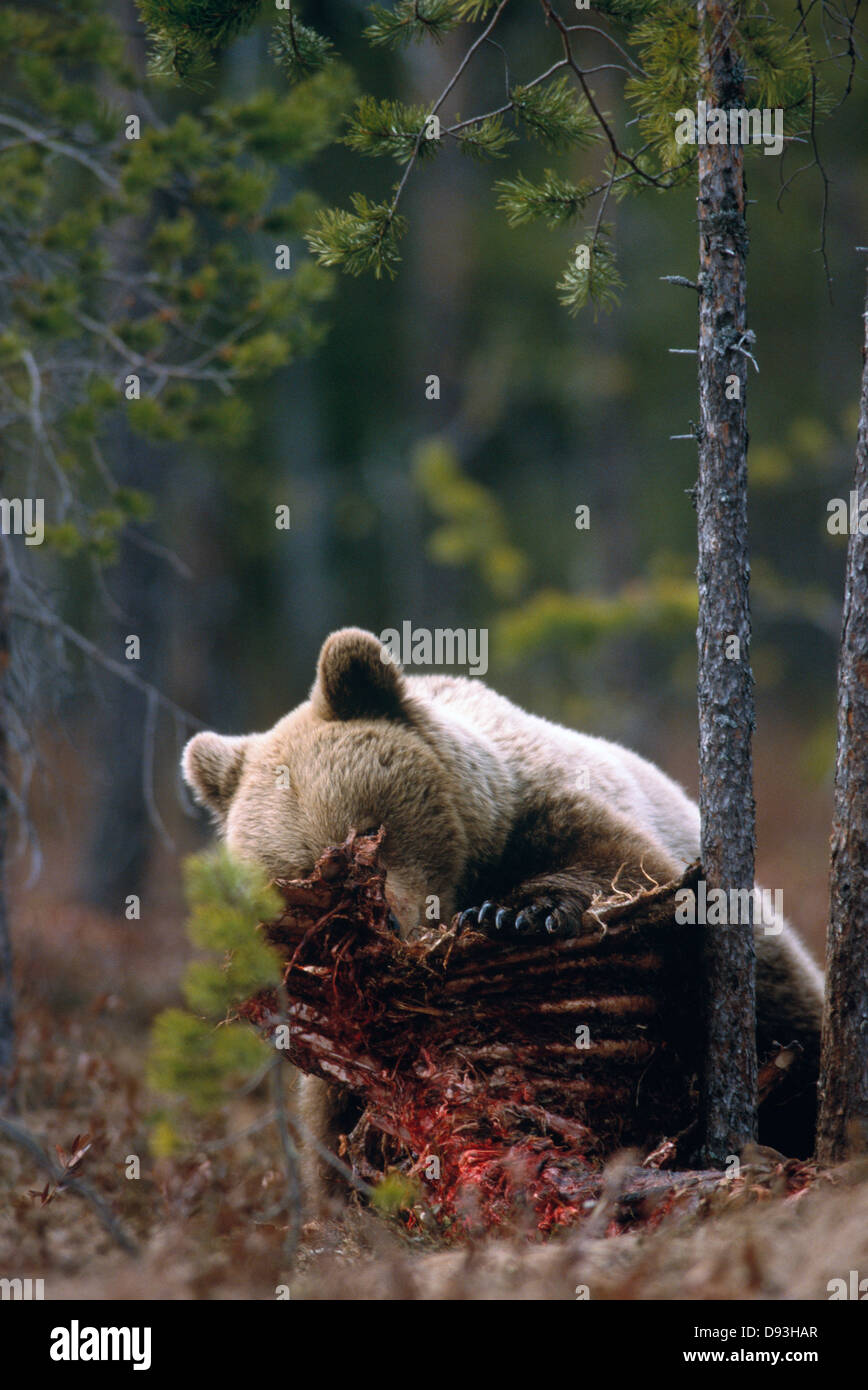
{"x": 485, "y": 807}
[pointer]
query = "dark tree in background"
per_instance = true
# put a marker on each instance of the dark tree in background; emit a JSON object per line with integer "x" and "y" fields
{"x": 724, "y": 680}
{"x": 843, "y": 1118}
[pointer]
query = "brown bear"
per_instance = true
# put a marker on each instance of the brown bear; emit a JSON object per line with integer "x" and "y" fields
{"x": 508, "y": 817}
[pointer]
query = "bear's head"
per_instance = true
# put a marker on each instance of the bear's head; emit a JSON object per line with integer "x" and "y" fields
{"x": 361, "y": 752}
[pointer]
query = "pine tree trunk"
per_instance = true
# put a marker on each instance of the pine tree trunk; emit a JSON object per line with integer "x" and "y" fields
{"x": 843, "y": 1120}
{"x": 7, "y": 1018}
{"x": 725, "y": 682}
{"x": 116, "y": 860}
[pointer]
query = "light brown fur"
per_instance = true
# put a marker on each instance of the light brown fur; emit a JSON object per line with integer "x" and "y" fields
{"x": 481, "y": 801}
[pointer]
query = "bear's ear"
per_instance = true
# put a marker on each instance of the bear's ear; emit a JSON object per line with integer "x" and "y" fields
{"x": 357, "y": 678}
{"x": 212, "y": 766}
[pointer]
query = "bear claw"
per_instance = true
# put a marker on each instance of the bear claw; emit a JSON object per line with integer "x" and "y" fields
{"x": 529, "y": 920}
{"x": 537, "y": 919}
{"x": 487, "y": 914}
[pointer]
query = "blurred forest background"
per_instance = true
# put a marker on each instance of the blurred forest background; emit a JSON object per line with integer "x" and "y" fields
{"x": 458, "y": 511}
{"x": 304, "y": 388}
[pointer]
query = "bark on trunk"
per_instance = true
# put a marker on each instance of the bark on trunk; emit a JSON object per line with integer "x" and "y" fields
{"x": 725, "y": 682}
{"x": 843, "y": 1121}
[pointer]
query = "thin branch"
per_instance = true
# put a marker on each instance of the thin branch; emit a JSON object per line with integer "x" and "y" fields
{"x": 434, "y": 109}
{"x": 510, "y": 105}
{"x": 603, "y": 123}
{"x": 25, "y": 1140}
{"x": 149, "y": 738}
{"x": 45, "y": 618}
{"x": 194, "y": 370}
{"x": 301, "y": 1130}
{"x": 152, "y": 547}
{"x": 37, "y": 424}
{"x": 680, "y": 280}
{"x": 50, "y": 142}
{"x": 290, "y": 1160}
{"x": 592, "y": 28}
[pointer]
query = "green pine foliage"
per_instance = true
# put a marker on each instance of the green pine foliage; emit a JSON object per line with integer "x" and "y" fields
{"x": 598, "y": 281}
{"x": 227, "y": 898}
{"x": 412, "y": 21}
{"x": 554, "y": 115}
{"x": 626, "y": 11}
{"x": 668, "y": 46}
{"x": 297, "y": 49}
{"x": 199, "y": 1054}
{"x": 472, "y": 530}
{"x": 778, "y": 72}
{"x": 552, "y": 112}
{"x": 554, "y": 621}
{"x": 659, "y": 41}
{"x": 397, "y": 1193}
{"x": 188, "y": 34}
{"x": 389, "y": 128}
{"x": 553, "y": 200}
{"x": 360, "y": 240}
{"x": 485, "y": 139}
{"x": 169, "y": 337}
{"x": 474, "y": 10}
{"x": 209, "y": 22}
{"x": 200, "y": 1063}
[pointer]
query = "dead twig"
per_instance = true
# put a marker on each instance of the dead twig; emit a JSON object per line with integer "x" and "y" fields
{"x": 21, "y": 1137}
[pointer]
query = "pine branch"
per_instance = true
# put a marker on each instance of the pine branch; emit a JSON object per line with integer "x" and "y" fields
{"x": 187, "y": 35}
{"x": 555, "y": 201}
{"x": 591, "y": 275}
{"x": 389, "y": 128}
{"x": 298, "y": 49}
{"x": 358, "y": 241}
{"x": 484, "y": 139}
{"x": 412, "y": 21}
{"x": 553, "y": 115}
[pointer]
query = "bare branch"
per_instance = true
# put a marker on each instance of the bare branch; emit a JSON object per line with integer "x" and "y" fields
{"x": 50, "y": 142}
{"x": 45, "y": 618}
{"x": 21, "y": 1137}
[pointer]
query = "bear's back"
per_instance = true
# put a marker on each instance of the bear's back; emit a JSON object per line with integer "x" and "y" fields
{"x": 547, "y": 757}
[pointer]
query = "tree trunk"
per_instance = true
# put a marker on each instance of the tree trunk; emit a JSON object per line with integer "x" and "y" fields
{"x": 725, "y": 682}
{"x": 843, "y": 1120}
{"x": 7, "y": 1016}
{"x": 116, "y": 860}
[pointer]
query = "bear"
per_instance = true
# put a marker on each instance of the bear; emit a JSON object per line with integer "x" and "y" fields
{"x": 510, "y": 819}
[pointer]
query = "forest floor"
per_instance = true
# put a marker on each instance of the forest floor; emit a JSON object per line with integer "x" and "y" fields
{"x": 211, "y": 1224}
